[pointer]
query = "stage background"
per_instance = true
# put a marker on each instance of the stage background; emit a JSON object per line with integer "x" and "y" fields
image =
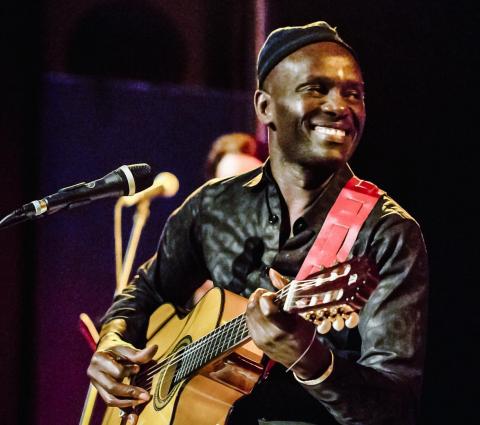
{"x": 88, "y": 87}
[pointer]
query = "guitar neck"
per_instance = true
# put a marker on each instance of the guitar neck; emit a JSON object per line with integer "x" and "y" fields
{"x": 325, "y": 291}
{"x": 220, "y": 341}
{"x": 223, "y": 339}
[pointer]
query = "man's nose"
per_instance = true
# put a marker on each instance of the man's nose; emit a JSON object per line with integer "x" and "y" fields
{"x": 334, "y": 103}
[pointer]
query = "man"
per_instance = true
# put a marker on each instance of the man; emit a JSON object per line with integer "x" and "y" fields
{"x": 311, "y": 97}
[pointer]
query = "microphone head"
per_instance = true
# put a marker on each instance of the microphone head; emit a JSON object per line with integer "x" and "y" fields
{"x": 134, "y": 178}
{"x": 142, "y": 174}
{"x": 169, "y": 182}
{"x": 165, "y": 185}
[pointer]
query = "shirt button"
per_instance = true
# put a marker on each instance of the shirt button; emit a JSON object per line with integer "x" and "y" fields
{"x": 272, "y": 219}
{"x": 299, "y": 226}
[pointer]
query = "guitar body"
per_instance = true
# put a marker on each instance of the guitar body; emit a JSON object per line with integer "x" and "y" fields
{"x": 204, "y": 362}
{"x": 208, "y": 396}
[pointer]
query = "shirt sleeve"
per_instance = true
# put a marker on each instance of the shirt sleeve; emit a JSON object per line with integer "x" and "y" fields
{"x": 171, "y": 275}
{"x": 383, "y": 385}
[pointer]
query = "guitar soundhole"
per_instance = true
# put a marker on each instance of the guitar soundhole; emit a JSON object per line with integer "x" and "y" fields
{"x": 167, "y": 382}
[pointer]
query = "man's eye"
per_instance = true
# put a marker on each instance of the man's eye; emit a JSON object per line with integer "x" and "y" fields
{"x": 316, "y": 89}
{"x": 354, "y": 94}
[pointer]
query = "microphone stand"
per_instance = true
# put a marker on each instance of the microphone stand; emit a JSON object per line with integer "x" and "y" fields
{"x": 167, "y": 185}
{"x": 139, "y": 220}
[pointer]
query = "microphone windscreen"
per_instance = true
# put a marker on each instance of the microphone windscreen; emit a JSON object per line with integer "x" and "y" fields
{"x": 142, "y": 174}
{"x": 169, "y": 182}
{"x": 165, "y": 185}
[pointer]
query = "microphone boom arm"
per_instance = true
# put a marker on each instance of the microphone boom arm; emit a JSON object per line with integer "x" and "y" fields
{"x": 165, "y": 185}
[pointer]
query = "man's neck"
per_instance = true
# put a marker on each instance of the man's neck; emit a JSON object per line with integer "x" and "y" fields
{"x": 299, "y": 186}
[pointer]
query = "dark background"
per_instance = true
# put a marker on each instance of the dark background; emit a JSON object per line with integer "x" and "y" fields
{"x": 87, "y": 87}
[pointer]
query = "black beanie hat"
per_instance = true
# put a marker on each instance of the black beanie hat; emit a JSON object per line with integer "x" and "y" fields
{"x": 284, "y": 41}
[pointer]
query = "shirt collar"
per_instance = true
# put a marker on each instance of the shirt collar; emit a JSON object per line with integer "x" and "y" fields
{"x": 263, "y": 176}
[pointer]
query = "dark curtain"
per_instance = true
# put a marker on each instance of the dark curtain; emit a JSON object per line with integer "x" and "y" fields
{"x": 421, "y": 131}
{"x": 19, "y": 77}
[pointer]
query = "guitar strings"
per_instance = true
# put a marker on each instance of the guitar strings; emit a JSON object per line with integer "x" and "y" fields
{"x": 197, "y": 345}
{"x": 146, "y": 376}
{"x": 145, "y": 383}
{"x": 218, "y": 332}
{"x": 148, "y": 380}
{"x": 188, "y": 351}
{"x": 172, "y": 359}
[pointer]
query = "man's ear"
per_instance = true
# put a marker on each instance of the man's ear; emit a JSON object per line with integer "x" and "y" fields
{"x": 263, "y": 107}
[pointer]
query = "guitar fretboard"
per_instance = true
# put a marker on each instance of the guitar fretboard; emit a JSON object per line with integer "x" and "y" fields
{"x": 328, "y": 288}
{"x": 212, "y": 345}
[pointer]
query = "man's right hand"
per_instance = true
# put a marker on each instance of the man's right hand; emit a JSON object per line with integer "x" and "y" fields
{"x": 109, "y": 367}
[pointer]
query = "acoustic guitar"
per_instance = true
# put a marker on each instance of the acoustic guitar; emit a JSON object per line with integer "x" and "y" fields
{"x": 206, "y": 360}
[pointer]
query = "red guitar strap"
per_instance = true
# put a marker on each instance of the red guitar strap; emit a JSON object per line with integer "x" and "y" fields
{"x": 340, "y": 230}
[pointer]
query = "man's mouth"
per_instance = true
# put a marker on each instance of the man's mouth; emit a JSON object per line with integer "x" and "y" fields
{"x": 328, "y": 131}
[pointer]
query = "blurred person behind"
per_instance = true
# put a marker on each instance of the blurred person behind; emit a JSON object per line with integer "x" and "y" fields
{"x": 232, "y": 154}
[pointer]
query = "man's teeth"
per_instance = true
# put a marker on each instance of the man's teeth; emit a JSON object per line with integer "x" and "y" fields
{"x": 330, "y": 131}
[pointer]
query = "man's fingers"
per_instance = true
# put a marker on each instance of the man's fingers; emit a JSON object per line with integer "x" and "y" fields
{"x": 119, "y": 389}
{"x": 130, "y": 369}
{"x": 135, "y": 356}
{"x": 113, "y": 401}
{"x": 265, "y": 301}
{"x": 117, "y": 394}
{"x": 267, "y": 305}
{"x": 110, "y": 363}
{"x": 278, "y": 281}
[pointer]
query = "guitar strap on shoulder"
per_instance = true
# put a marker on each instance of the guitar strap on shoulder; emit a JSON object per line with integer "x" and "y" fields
{"x": 339, "y": 230}
{"x": 342, "y": 225}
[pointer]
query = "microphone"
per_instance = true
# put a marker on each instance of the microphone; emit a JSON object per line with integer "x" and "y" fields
{"x": 165, "y": 184}
{"x": 125, "y": 180}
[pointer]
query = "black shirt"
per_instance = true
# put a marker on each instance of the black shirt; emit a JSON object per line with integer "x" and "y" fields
{"x": 233, "y": 230}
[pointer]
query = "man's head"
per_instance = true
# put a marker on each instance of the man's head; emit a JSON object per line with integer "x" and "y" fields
{"x": 310, "y": 96}
{"x": 283, "y": 41}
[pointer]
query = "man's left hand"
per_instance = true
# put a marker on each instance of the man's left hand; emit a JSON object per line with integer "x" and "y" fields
{"x": 285, "y": 337}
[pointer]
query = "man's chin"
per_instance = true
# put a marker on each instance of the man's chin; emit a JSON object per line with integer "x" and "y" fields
{"x": 330, "y": 163}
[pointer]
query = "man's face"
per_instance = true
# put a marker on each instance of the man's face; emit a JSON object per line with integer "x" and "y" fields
{"x": 317, "y": 110}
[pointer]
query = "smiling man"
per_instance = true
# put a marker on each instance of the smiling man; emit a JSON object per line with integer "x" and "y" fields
{"x": 239, "y": 232}
{"x": 315, "y": 97}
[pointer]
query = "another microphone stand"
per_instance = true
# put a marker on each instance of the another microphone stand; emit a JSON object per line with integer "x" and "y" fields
{"x": 165, "y": 184}
{"x": 123, "y": 270}
{"x": 140, "y": 218}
